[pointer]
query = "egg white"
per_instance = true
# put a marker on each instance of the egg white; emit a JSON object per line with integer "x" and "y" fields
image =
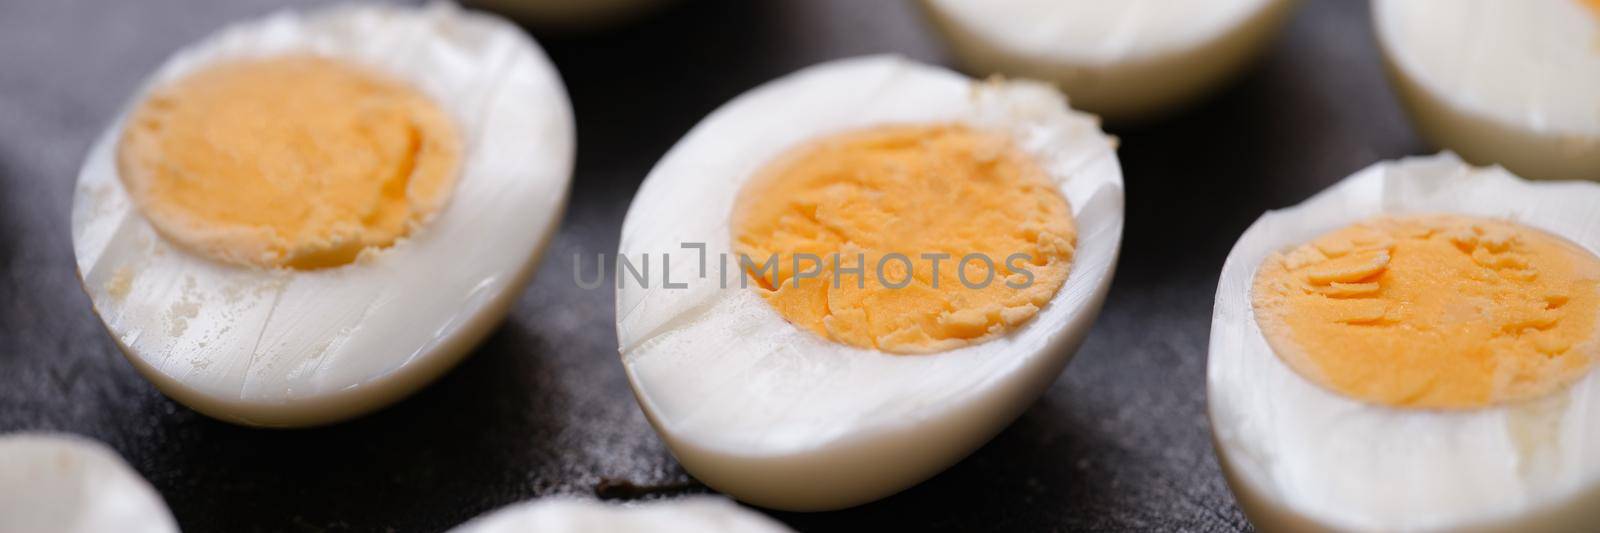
{"x": 1300, "y": 457}
{"x": 777, "y": 416}
{"x": 1124, "y": 60}
{"x": 291, "y": 348}
{"x": 690, "y": 514}
{"x": 65, "y": 483}
{"x": 1509, "y": 83}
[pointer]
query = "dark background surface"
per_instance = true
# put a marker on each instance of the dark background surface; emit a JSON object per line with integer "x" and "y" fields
{"x": 1120, "y": 442}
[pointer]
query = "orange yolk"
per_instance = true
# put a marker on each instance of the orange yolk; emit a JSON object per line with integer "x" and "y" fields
{"x": 294, "y": 161}
{"x": 856, "y": 199}
{"x": 1438, "y": 311}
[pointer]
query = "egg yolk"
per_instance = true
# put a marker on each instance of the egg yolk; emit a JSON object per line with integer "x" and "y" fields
{"x": 1434, "y": 311}
{"x": 879, "y": 236}
{"x": 292, "y": 161}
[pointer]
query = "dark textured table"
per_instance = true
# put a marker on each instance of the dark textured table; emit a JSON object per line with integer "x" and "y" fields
{"x": 1120, "y": 442}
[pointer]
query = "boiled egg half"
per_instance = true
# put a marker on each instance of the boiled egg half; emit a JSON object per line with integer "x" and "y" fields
{"x": 54, "y": 482}
{"x": 305, "y": 217}
{"x": 1413, "y": 350}
{"x": 1125, "y": 60}
{"x": 562, "y": 514}
{"x": 1510, "y": 83}
{"x": 859, "y": 273}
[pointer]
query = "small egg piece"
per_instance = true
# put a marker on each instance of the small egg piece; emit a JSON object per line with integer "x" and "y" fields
{"x": 51, "y": 482}
{"x": 862, "y": 272}
{"x": 1510, "y": 83}
{"x": 690, "y": 514}
{"x": 306, "y": 217}
{"x": 1413, "y": 350}
{"x": 1127, "y": 60}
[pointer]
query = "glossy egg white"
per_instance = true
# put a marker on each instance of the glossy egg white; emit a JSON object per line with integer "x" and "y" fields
{"x": 293, "y": 348}
{"x": 779, "y": 417}
{"x": 1300, "y": 457}
{"x": 1124, "y": 60}
{"x": 70, "y": 484}
{"x": 1510, "y": 83}
{"x": 690, "y": 514}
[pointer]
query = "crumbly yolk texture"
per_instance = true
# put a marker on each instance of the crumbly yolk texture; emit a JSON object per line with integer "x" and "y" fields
{"x": 1434, "y": 311}
{"x": 911, "y": 190}
{"x": 294, "y": 161}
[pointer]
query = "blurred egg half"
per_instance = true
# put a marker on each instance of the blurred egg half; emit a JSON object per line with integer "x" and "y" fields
{"x": 1510, "y": 83}
{"x": 1125, "y": 60}
{"x": 690, "y": 514}
{"x": 69, "y": 484}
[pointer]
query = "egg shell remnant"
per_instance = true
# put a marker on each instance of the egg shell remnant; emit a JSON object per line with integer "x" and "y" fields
{"x": 1127, "y": 61}
{"x": 1300, "y": 457}
{"x": 280, "y": 347}
{"x": 70, "y": 484}
{"x": 780, "y": 417}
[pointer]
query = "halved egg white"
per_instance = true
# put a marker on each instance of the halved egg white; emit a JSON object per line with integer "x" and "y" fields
{"x": 691, "y": 514}
{"x": 57, "y": 482}
{"x": 780, "y": 417}
{"x": 1124, "y": 60}
{"x": 1300, "y": 457}
{"x": 1509, "y": 83}
{"x": 293, "y": 348}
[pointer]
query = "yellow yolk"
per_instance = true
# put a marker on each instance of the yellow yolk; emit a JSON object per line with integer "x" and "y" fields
{"x": 291, "y": 161}
{"x": 918, "y": 191}
{"x": 1437, "y": 311}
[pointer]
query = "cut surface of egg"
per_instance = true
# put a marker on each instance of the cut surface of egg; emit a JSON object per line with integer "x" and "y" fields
{"x": 51, "y": 482}
{"x": 1127, "y": 60}
{"x": 1510, "y": 83}
{"x": 305, "y": 217}
{"x": 1412, "y": 350}
{"x": 690, "y": 514}
{"x": 897, "y": 260}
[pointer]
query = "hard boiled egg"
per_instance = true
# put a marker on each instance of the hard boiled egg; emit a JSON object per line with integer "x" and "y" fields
{"x": 1509, "y": 83}
{"x": 1412, "y": 350}
{"x": 64, "y": 483}
{"x": 692, "y": 514}
{"x": 308, "y": 216}
{"x": 1126, "y": 60}
{"x": 789, "y": 380}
